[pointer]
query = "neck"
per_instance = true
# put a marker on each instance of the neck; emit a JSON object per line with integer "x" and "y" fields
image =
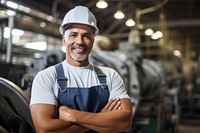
{"x": 77, "y": 63}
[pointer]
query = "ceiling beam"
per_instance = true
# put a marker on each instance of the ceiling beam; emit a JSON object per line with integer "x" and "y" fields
{"x": 174, "y": 23}
{"x": 168, "y": 24}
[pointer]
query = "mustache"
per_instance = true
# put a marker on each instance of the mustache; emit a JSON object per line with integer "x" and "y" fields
{"x": 80, "y": 46}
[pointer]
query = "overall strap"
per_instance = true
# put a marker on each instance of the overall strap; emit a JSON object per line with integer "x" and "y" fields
{"x": 62, "y": 80}
{"x": 101, "y": 76}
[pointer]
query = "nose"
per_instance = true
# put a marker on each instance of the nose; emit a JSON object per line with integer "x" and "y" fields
{"x": 79, "y": 39}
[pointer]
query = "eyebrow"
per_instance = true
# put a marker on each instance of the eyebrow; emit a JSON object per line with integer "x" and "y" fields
{"x": 86, "y": 33}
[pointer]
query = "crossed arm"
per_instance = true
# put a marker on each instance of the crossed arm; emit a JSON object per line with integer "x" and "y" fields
{"x": 115, "y": 117}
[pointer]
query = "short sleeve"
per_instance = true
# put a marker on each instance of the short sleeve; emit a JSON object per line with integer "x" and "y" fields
{"x": 42, "y": 88}
{"x": 115, "y": 84}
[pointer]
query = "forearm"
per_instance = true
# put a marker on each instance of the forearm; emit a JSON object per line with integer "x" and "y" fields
{"x": 113, "y": 118}
{"x": 57, "y": 125}
{"x": 45, "y": 119}
{"x": 105, "y": 122}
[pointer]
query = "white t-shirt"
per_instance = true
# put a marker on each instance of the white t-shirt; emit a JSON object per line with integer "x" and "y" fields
{"x": 45, "y": 86}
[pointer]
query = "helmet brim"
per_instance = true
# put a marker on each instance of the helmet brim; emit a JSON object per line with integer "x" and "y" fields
{"x": 67, "y": 26}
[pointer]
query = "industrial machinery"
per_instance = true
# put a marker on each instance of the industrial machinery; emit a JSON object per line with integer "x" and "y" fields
{"x": 14, "y": 105}
{"x": 146, "y": 85}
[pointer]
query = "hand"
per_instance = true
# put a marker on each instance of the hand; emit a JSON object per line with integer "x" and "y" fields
{"x": 65, "y": 114}
{"x": 113, "y": 104}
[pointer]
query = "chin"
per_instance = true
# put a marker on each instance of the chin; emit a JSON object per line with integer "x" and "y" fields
{"x": 82, "y": 58}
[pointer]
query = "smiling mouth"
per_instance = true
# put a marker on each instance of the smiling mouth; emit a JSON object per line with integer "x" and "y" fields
{"x": 79, "y": 49}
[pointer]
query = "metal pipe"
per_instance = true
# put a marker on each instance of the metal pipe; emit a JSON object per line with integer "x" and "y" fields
{"x": 9, "y": 41}
{"x": 54, "y": 10}
{"x": 134, "y": 35}
{"x": 148, "y": 10}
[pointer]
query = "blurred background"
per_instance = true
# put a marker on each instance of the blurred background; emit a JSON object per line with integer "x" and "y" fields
{"x": 153, "y": 44}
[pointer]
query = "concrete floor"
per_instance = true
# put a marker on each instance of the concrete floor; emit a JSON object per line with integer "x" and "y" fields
{"x": 189, "y": 126}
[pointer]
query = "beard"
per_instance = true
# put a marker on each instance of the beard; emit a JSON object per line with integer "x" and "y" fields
{"x": 77, "y": 51}
{"x": 79, "y": 58}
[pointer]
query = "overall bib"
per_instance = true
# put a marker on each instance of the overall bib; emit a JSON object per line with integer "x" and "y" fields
{"x": 91, "y": 99}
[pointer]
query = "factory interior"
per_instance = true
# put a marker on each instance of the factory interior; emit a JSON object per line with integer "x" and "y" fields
{"x": 153, "y": 44}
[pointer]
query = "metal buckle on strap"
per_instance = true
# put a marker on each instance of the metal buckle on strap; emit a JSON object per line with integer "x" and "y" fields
{"x": 103, "y": 85}
{"x": 63, "y": 89}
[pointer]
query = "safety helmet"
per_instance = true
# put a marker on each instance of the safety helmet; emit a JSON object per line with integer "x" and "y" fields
{"x": 79, "y": 15}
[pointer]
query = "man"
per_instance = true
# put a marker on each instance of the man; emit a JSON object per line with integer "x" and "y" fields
{"x": 94, "y": 100}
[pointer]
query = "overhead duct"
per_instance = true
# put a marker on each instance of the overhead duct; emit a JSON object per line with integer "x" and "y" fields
{"x": 134, "y": 35}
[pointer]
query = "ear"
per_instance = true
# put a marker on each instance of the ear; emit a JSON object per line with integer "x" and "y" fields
{"x": 93, "y": 41}
{"x": 63, "y": 41}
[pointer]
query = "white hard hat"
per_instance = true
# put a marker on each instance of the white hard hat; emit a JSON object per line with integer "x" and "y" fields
{"x": 79, "y": 15}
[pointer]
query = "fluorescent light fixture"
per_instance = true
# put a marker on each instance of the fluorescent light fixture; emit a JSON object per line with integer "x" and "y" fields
{"x": 148, "y": 32}
{"x": 12, "y": 4}
{"x": 119, "y": 14}
{"x": 36, "y": 45}
{"x": 130, "y": 22}
{"x": 10, "y": 13}
{"x": 37, "y": 55}
{"x": 6, "y": 33}
{"x": 15, "y": 32}
{"x": 101, "y": 4}
{"x": 25, "y": 9}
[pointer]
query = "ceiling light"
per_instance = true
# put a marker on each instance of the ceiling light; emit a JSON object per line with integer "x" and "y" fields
{"x": 119, "y": 14}
{"x": 140, "y": 26}
{"x": 43, "y": 24}
{"x": 130, "y": 22}
{"x": 2, "y": 1}
{"x": 157, "y": 35}
{"x": 148, "y": 32}
{"x": 177, "y": 53}
{"x": 101, "y": 4}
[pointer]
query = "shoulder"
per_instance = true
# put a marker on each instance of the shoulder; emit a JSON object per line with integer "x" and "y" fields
{"x": 48, "y": 73}
{"x": 105, "y": 69}
{"x": 108, "y": 71}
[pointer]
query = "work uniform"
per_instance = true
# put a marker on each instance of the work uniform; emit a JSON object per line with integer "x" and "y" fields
{"x": 86, "y": 91}
{"x": 82, "y": 98}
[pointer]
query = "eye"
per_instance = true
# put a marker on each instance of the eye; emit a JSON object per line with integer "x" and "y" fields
{"x": 73, "y": 35}
{"x": 88, "y": 36}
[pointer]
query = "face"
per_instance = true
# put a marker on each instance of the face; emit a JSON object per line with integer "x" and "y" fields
{"x": 78, "y": 40}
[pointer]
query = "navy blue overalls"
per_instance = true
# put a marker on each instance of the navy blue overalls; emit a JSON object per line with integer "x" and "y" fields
{"x": 91, "y": 99}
